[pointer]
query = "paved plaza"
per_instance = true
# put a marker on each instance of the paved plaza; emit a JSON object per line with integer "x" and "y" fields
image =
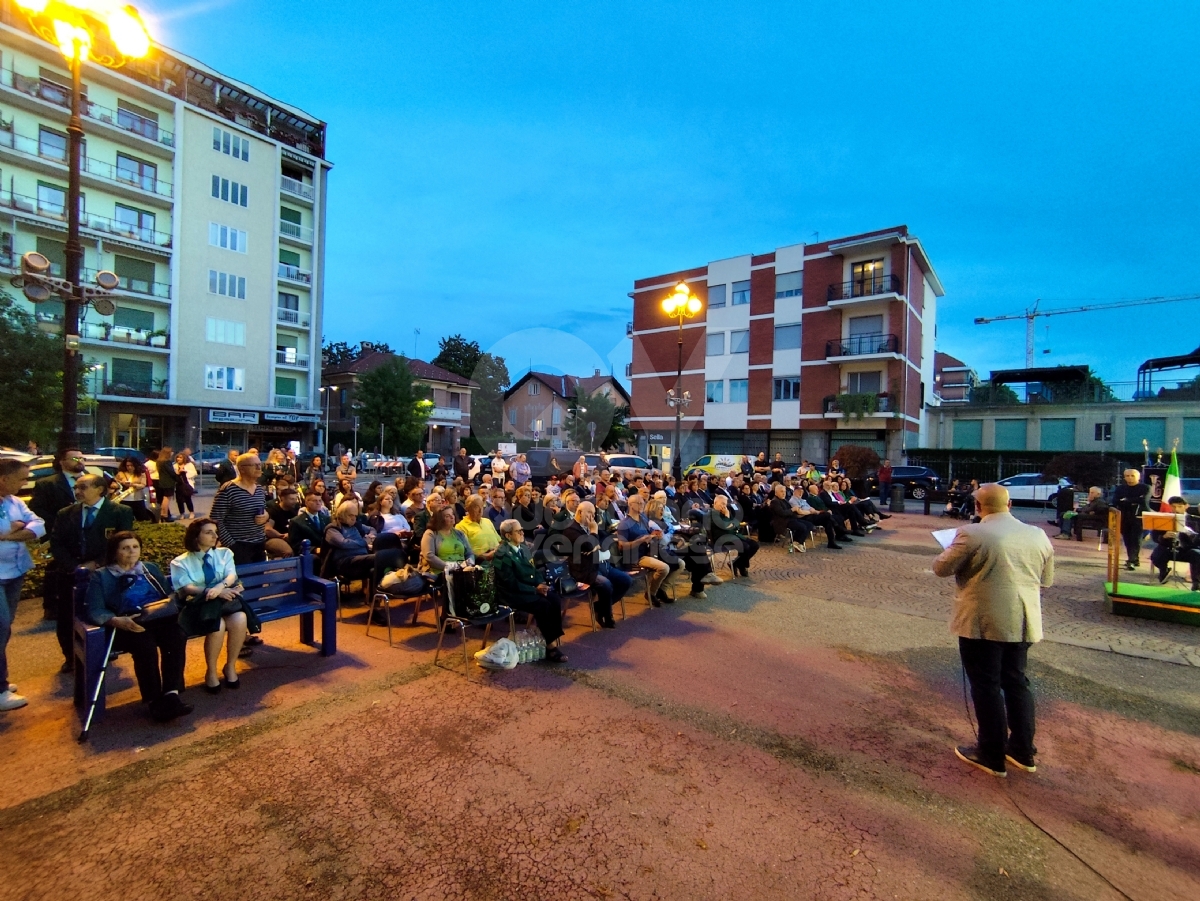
{"x": 788, "y": 738}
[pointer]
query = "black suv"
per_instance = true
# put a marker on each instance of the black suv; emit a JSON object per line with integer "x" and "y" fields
{"x": 917, "y": 481}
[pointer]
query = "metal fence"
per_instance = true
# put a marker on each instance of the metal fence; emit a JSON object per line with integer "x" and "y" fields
{"x": 966, "y": 467}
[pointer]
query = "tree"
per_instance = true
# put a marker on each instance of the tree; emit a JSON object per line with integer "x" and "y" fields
{"x": 388, "y": 396}
{"x": 339, "y": 353}
{"x": 857, "y": 460}
{"x": 610, "y": 419}
{"x": 458, "y": 355}
{"x": 31, "y": 372}
{"x": 487, "y": 404}
{"x": 1084, "y": 470}
{"x": 988, "y": 395}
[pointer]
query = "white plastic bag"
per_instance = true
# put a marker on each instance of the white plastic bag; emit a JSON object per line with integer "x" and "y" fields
{"x": 503, "y": 654}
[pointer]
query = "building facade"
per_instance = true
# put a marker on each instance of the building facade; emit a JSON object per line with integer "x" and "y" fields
{"x": 796, "y": 351}
{"x": 545, "y": 398}
{"x": 953, "y": 380}
{"x": 207, "y": 199}
{"x": 449, "y": 417}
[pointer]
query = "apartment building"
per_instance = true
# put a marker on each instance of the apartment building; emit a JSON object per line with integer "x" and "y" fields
{"x": 546, "y": 398}
{"x": 207, "y": 199}
{"x": 795, "y": 351}
{"x": 449, "y": 417}
{"x": 953, "y": 380}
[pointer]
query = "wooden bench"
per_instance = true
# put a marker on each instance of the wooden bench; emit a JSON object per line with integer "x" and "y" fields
{"x": 274, "y": 590}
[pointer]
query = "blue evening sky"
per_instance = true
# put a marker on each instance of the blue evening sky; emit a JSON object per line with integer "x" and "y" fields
{"x": 507, "y": 169}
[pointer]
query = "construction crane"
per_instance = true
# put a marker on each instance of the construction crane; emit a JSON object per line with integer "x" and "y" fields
{"x": 1032, "y": 313}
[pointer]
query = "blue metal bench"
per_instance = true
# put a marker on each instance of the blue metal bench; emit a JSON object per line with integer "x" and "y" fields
{"x": 275, "y": 590}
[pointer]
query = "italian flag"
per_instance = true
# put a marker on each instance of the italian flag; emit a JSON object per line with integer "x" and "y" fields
{"x": 1171, "y": 485}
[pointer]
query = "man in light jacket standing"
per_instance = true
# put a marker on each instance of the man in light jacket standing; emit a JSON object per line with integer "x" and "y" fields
{"x": 1000, "y": 565}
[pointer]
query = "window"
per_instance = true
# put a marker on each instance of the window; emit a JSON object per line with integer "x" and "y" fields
{"x": 51, "y": 199}
{"x": 556, "y": 416}
{"x": 455, "y": 401}
{"x": 512, "y": 416}
{"x": 231, "y": 191}
{"x": 716, "y": 296}
{"x": 865, "y": 325}
{"x": 787, "y": 337}
{"x": 1011, "y": 434}
{"x": 137, "y": 374}
{"x": 135, "y": 275}
{"x": 534, "y": 387}
{"x": 714, "y": 392}
{"x": 285, "y": 387}
{"x": 968, "y": 434}
{"x": 224, "y": 331}
{"x": 231, "y": 144}
{"x": 137, "y": 172}
{"x": 1104, "y": 431}
{"x": 787, "y": 388}
{"x": 739, "y": 391}
{"x": 224, "y": 378}
{"x": 739, "y": 342}
{"x": 1058, "y": 435}
{"x": 286, "y": 351}
{"x": 138, "y": 320}
{"x": 52, "y": 144}
{"x": 137, "y": 119}
{"x": 1152, "y": 429}
{"x": 789, "y": 284}
{"x": 715, "y": 346}
{"x": 56, "y": 253}
{"x": 226, "y": 237}
{"x": 741, "y": 293}
{"x": 866, "y": 278}
{"x": 863, "y": 382}
{"x": 139, "y": 222}
{"x": 231, "y": 285}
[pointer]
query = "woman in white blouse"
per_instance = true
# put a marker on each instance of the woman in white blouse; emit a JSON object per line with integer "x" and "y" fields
{"x": 207, "y": 583}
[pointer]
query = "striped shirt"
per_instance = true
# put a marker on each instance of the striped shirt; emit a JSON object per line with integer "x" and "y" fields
{"x": 234, "y": 509}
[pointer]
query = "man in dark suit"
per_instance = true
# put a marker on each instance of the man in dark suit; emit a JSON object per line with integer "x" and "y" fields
{"x": 50, "y": 495}
{"x": 417, "y": 467}
{"x": 227, "y": 468}
{"x": 309, "y": 524}
{"x": 80, "y": 538}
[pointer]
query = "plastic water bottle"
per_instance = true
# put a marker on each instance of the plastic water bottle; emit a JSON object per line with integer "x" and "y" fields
{"x": 523, "y": 647}
{"x": 541, "y": 648}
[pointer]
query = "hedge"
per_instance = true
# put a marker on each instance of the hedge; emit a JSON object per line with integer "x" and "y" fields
{"x": 161, "y": 543}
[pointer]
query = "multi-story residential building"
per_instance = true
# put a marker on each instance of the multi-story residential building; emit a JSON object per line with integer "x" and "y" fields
{"x": 449, "y": 417}
{"x": 953, "y": 380}
{"x": 207, "y": 199}
{"x": 546, "y": 398}
{"x": 796, "y": 351}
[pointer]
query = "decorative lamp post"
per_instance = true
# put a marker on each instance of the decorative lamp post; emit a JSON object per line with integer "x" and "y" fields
{"x": 680, "y": 304}
{"x": 328, "y": 390}
{"x": 110, "y": 34}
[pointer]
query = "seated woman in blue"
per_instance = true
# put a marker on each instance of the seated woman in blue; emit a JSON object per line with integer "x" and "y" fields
{"x": 207, "y": 583}
{"x": 115, "y": 593}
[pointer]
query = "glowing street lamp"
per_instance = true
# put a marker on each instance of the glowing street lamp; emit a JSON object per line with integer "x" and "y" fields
{"x": 680, "y": 304}
{"x": 108, "y": 33}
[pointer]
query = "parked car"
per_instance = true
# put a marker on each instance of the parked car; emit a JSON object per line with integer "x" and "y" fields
{"x": 120, "y": 453}
{"x": 42, "y": 466}
{"x": 1033, "y": 488}
{"x": 627, "y": 465}
{"x": 1190, "y": 489}
{"x": 545, "y": 462}
{"x": 719, "y": 464}
{"x": 917, "y": 481}
{"x": 596, "y": 462}
{"x": 208, "y": 460}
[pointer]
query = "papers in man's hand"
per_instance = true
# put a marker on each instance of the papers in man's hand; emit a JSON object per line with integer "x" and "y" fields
{"x": 944, "y": 537}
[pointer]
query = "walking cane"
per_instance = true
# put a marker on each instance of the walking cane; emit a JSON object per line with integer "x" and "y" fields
{"x": 87, "y": 723}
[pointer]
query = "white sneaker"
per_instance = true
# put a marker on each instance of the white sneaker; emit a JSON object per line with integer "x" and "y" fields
{"x": 711, "y": 579}
{"x": 10, "y": 700}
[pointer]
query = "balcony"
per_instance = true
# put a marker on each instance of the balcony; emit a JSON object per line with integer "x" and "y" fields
{"x": 30, "y": 147}
{"x": 291, "y": 358}
{"x": 295, "y": 232}
{"x": 863, "y": 347}
{"x": 859, "y": 406}
{"x": 132, "y": 285}
{"x": 157, "y": 391}
{"x": 59, "y": 95}
{"x": 296, "y": 188}
{"x": 287, "y": 402}
{"x": 57, "y": 213}
{"x": 871, "y": 287}
{"x": 108, "y": 333}
{"x": 291, "y": 317}
{"x": 1069, "y": 394}
{"x": 445, "y": 414}
{"x": 291, "y": 273}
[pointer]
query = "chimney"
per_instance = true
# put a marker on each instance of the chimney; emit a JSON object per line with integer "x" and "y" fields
{"x": 596, "y": 374}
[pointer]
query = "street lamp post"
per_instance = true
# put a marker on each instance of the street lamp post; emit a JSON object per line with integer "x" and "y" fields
{"x": 328, "y": 390}
{"x": 680, "y": 304}
{"x": 108, "y": 34}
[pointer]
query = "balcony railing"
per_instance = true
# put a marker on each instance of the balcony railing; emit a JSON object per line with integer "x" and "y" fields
{"x": 286, "y": 358}
{"x": 862, "y": 345}
{"x": 1047, "y": 394}
{"x": 103, "y": 331}
{"x": 287, "y": 402}
{"x": 31, "y": 147}
{"x": 856, "y": 404}
{"x": 868, "y": 286}
{"x": 293, "y": 230}
{"x": 157, "y": 390}
{"x": 291, "y": 317}
{"x": 295, "y": 273}
{"x": 298, "y": 188}
{"x": 132, "y": 285}
{"x": 452, "y": 414}
{"x": 60, "y": 95}
{"x": 58, "y": 211}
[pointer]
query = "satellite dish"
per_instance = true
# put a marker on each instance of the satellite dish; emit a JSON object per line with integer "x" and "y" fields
{"x": 107, "y": 280}
{"x": 104, "y": 306}
{"x": 36, "y": 293}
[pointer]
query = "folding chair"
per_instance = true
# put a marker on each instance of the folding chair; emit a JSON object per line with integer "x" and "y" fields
{"x": 382, "y": 599}
{"x": 452, "y": 616}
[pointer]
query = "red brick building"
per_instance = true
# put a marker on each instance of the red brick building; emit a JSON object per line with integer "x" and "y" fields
{"x": 796, "y": 351}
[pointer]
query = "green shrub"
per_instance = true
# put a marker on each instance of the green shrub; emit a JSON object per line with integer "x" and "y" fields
{"x": 161, "y": 543}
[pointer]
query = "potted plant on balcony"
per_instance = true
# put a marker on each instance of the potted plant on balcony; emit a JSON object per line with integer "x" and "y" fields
{"x": 158, "y": 338}
{"x": 160, "y": 387}
{"x": 858, "y": 405}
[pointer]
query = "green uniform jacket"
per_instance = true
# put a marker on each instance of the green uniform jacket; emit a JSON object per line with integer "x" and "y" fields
{"x": 516, "y": 577}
